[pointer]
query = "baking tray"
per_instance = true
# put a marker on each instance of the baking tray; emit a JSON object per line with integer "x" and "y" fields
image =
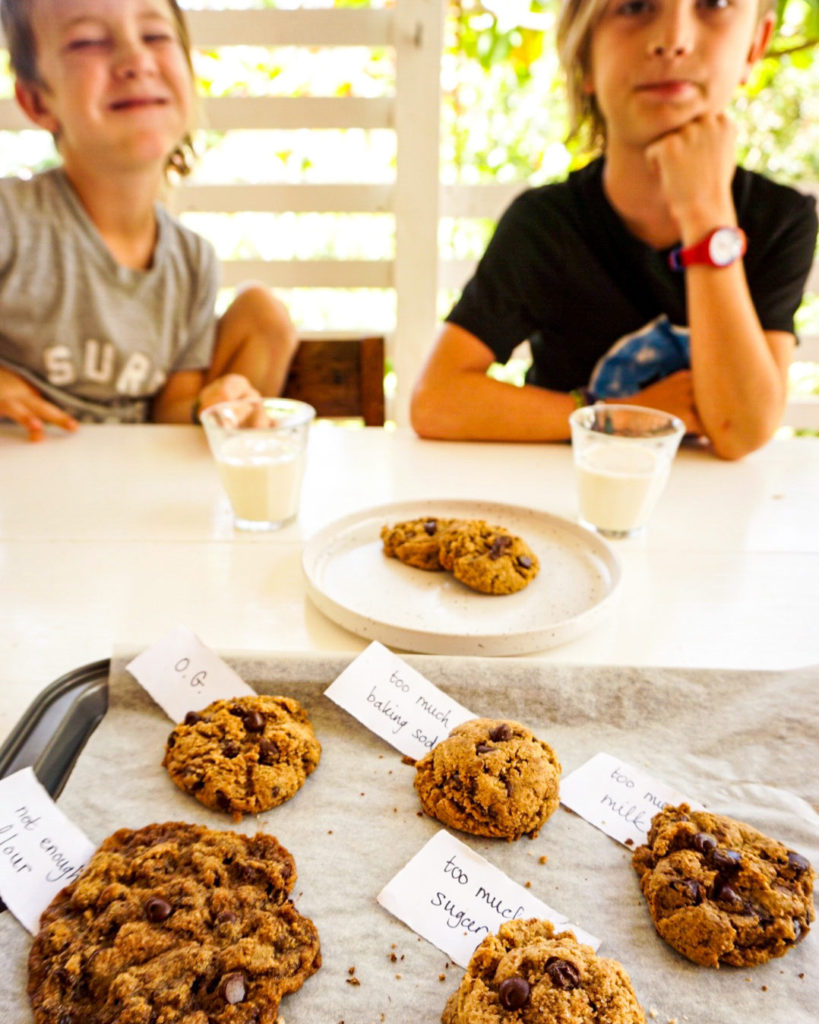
{"x": 56, "y": 726}
{"x": 356, "y": 822}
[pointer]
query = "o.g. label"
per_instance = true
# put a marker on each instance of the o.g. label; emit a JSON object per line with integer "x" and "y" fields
{"x": 41, "y": 851}
{"x": 182, "y": 674}
{"x": 396, "y": 702}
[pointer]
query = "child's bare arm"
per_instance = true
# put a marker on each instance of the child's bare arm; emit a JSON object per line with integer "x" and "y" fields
{"x": 455, "y": 400}
{"x": 739, "y": 370}
{"x": 186, "y": 390}
{"x": 23, "y": 404}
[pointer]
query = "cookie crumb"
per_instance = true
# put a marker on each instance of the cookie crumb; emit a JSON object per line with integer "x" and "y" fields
{"x": 398, "y": 977}
{"x": 629, "y": 841}
{"x": 652, "y": 1012}
{"x": 408, "y": 760}
{"x": 764, "y": 988}
{"x": 351, "y": 970}
{"x": 542, "y": 859}
{"x": 527, "y": 885}
{"x": 441, "y": 977}
{"x": 393, "y": 957}
{"x": 352, "y": 981}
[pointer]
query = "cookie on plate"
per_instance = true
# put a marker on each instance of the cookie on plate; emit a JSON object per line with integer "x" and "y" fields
{"x": 528, "y": 973}
{"x": 721, "y": 892}
{"x": 488, "y": 558}
{"x": 417, "y": 542}
{"x": 173, "y": 922}
{"x": 490, "y": 777}
{"x": 243, "y": 755}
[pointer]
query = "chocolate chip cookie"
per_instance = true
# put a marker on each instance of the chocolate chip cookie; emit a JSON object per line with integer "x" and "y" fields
{"x": 243, "y": 755}
{"x": 527, "y": 973}
{"x": 173, "y": 922}
{"x": 488, "y": 558}
{"x": 417, "y": 542}
{"x": 720, "y": 892}
{"x": 491, "y": 778}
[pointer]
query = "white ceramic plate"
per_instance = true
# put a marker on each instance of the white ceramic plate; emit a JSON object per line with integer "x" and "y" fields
{"x": 352, "y": 582}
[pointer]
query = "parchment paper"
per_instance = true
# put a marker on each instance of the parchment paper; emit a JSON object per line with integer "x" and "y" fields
{"x": 741, "y": 743}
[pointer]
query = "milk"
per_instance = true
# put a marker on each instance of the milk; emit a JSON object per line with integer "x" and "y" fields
{"x": 262, "y": 477}
{"x": 618, "y": 484}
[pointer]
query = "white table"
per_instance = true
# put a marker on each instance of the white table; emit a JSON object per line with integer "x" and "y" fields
{"x": 118, "y": 533}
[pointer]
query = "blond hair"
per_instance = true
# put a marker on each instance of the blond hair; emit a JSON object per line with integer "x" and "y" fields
{"x": 15, "y": 16}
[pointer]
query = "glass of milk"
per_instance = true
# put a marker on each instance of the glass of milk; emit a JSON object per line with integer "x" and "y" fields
{"x": 260, "y": 447}
{"x": 622, "y": 458}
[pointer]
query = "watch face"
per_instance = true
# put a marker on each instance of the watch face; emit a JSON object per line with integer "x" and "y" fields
{"x": 725, "y": 246}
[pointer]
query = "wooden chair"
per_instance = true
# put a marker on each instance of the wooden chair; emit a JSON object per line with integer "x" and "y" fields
{"x": 340, "y": 377}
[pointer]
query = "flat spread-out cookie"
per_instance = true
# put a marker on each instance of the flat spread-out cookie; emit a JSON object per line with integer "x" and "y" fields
{"x": 490, "y": 777}
{"x": 417, "y": 542}
{"x": 243, "y": 755}
{"x": 173, "y": 923}
{"x": 488, "y": 558}
{"x": 527, "y": 973}
{"x": 719, "y": 891}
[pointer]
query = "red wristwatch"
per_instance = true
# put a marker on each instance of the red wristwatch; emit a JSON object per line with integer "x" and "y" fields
{"x": 720, "y": 248}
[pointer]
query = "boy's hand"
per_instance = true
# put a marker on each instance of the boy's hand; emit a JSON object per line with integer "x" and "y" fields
{"x": 674, "y": 394}
{"x": 696, "y": 165}
{"x": 226, "y": 389}
{"x": 23, "y": 404}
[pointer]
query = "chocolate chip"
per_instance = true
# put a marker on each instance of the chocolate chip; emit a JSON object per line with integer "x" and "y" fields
{"x": 725, "y": 860}
{"x": 703, "y": 842}
{"x": 513, "y": 993}
{"x": 430, "y": 526}
{"x": 223, "y": 800}
{"x": 254, "y": 721}
{"x": 799, "y": 932}
{"x": 692, "y": 890}
{"x": 157, "y": 909}
{"x": 192, "y": 718}
{"x": 798, "y": 862}
{"x": 726, "y": 894}
{"x": 230, "y": 748}
{"x": 524, "y": 561}
{"x": 484, "y": 748}
{"x": 268, "y": 752}
{"x": 499, "y": 545}
{"x": 226, "y": 917}
{"x": 501, "y": 733}
{"x": 563, "y": 973}
{"x": 233, "y": 987}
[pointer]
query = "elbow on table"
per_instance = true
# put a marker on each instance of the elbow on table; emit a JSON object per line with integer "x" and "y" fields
{"x": 426, "y": 415}
{"x": 731, "y": 445}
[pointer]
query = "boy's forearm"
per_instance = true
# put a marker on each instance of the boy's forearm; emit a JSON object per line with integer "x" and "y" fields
{"x": 473, "y": 407}
{"x": 739, "y": 380}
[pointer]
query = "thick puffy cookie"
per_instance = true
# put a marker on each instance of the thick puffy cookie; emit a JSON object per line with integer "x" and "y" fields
{"x": 173, "y": 923}
{"x": 491, "y": 778}
{"x": 488, "y": 558}
{"x": 719, "y": 891}
{"x": 527, "y": 973}
{"x": 417, "y": 542}
{"x": 244, "y": 755}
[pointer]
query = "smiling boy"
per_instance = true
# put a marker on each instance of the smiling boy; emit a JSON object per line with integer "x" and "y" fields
{"x": 106, "y": 301}
{"x": 660, "y": 274}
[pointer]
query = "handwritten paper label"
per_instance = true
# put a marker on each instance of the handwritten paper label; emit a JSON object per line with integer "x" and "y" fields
{"x": 396, "y": 702}
{"x": 182, "y": 674}
{"x": 41, "y": 851}
{"x": 454, "y": 898}
{"x": 616, "y": 798}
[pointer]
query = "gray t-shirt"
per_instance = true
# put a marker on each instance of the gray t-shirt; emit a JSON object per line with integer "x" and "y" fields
{"x": 96, "y": 338}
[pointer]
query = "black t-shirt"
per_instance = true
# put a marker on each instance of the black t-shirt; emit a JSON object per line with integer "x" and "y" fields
{"x": 600, "y": 307}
